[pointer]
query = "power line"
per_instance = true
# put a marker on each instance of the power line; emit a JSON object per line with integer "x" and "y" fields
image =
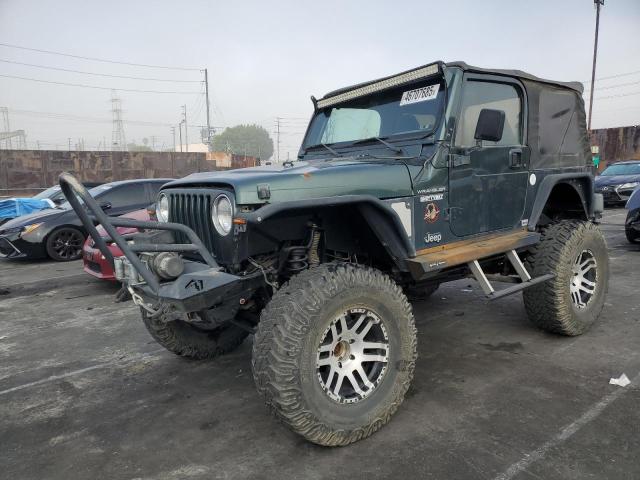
{"x": 618, "y": 85}
{"x": 619, "y": 95}
{"x": 99, "y": 74}
{"x": 615, "y": 76}
{"x": 63, "y": 116}
{"x": 94, "y": 59}
{"x": 94, "y": 86}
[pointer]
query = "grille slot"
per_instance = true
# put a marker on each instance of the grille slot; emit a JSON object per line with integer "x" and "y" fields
{"x": 193, "y": 209}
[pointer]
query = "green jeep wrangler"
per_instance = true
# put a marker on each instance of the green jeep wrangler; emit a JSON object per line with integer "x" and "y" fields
{"x": 443, "y": 172}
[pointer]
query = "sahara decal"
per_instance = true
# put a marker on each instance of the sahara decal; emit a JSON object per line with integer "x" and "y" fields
{"x": 420, "y": 94}
{"x": 423, "y": 191}
{"x": 431, "y": 198}
{"x": 433, "y": 238}
{"x": 431, "y": 213}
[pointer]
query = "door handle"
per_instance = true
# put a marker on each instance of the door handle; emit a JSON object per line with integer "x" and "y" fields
{"x": 515, "y": 158}
{"x": 456, "y": 160}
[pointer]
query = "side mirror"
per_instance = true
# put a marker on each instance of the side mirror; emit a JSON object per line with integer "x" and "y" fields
{"x": 490, "y": 125}
{"x": 105, "y": 205}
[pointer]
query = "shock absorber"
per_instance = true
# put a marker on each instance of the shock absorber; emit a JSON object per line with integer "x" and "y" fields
{"x": 297, "y": 260}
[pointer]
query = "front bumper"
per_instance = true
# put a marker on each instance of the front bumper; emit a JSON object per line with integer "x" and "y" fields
{"x": 632, "y": 223}
{"x": 8, "y": 248}
{"x": 199, "y": 288}
{"x": 612, "y": 195}
{"x": 95, "y": 264}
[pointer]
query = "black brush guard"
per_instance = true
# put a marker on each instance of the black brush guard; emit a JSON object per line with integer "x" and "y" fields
{"x": 201, "y": 287}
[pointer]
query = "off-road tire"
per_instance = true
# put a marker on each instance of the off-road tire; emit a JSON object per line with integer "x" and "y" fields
{"x": 290, "y": 331}
{"x": 189, "y": 341}
{"x": 549, "y": 305}
{"x": 72, "y": 234}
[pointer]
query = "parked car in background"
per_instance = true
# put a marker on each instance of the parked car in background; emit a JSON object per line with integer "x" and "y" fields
{"x": 93, "y": 260}
{"x": 16, "y": 206}
{"x": 55, "y": 193}
{"x": 617, "y": 182}
{"x": 632, "y": 224}
{"x": 58, "y": 233}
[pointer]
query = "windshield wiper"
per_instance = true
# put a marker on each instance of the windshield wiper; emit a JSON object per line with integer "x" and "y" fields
{"x": 385, "y": 143}
{"x": 327, "y": 147}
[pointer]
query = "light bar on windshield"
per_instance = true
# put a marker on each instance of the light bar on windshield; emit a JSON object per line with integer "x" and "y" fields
{"x": 381, "y": 85}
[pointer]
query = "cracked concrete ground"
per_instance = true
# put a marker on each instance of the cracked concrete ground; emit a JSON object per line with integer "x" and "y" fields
{"x": 86, "y": 393}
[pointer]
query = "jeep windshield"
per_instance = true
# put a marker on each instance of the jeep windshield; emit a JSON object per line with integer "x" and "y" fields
{"x": 414, "y": 108}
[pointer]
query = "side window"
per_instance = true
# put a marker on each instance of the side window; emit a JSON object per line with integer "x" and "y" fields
{"x": 125, "y": 196}
{"x": 496, "y": 96}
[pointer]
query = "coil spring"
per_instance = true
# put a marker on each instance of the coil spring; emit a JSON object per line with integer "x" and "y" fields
{"x": 298, "y": 260}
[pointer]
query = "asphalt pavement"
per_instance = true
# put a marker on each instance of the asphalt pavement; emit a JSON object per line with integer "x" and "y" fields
{"x": 86, "y": 393}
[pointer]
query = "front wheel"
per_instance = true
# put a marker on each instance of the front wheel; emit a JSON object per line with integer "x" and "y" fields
{"x": 575, "y": 252}
{"x": 334, "y": 353}
{"x": 65, "y": 244}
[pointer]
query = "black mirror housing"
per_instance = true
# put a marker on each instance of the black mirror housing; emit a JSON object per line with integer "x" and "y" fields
{"x": 490, "y": 125}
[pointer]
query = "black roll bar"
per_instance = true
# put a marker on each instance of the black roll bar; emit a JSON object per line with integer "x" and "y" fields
{"x": 73, "y": 189}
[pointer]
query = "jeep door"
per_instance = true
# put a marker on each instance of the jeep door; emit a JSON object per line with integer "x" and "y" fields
{"x": 487, "y": 179}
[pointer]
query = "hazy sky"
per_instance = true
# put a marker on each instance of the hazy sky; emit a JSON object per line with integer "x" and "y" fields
{"x": 266, "y": 58}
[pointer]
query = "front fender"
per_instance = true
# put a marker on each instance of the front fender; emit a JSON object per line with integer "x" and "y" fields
{"x": 383, "y": 220}
{"x": 634, "y": 200}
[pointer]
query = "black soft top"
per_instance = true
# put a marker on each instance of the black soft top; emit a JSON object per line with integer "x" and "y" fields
{"x": 577, "y": 86}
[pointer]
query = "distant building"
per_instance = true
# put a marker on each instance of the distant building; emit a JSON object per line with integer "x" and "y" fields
{"x": 615, "y": 144}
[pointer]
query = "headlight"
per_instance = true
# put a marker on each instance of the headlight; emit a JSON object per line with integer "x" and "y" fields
{"x": 222, "y": 214}
{"x": 628, "y": 186}
{"x": 162, "y": 211}
{"x": 29, "y": 228}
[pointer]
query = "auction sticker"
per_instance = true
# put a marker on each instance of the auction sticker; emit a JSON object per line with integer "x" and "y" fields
{"x": 420, "y": 94}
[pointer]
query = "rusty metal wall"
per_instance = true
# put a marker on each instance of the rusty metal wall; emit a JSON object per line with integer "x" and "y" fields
{"x": 622, "y": 143}
{"x": 25, "y": 172}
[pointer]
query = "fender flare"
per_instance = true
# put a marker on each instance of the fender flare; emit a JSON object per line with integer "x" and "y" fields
{"x": 382, "y": 219}
{"x": 582, "y": 183}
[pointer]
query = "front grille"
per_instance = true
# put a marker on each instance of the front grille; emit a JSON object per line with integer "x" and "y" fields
{"x": 93, "y": 266}
{"x": 193, "y": 209}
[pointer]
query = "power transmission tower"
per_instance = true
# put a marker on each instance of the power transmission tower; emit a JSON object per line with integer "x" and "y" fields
{"x": 6, "y": 127}
{"x": 118, "y": 141}
{"x": 598, "y": 3}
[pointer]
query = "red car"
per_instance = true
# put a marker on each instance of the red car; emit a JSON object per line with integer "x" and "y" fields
{"x": 94, "y": 262}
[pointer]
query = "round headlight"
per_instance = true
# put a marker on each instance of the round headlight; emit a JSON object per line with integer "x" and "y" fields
{"x": 222, "y": 214}
{"x": 162, "y": 210}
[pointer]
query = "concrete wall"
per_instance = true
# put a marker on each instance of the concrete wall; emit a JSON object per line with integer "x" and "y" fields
{"x": 622, "y": 143}
{"x": 25, "y": 172}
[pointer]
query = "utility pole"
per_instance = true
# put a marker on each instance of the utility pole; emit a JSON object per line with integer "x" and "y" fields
{"x": 69, "y": 143}
{"x": 206, "y": 90}
{"x": 278, "y": 139}
{"x": 173, "y": 133}
{"x": 184, "y": 119}
{"x": 180, "y": 127}
{"x": 598, "y": 4}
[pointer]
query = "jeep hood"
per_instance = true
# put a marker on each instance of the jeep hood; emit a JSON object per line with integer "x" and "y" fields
{"x": 308, "y": 179}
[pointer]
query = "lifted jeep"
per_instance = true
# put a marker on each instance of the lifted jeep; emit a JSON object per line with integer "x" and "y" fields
{"x": 439, "y": 173}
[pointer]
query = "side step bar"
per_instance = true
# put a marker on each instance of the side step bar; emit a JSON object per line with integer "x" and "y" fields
{"x": 520, "y": 269}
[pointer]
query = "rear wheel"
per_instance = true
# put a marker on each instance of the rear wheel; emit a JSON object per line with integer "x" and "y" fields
{"x": 576, "y": 253}
{"x": 188, "y": 340}
{"x": 334, "y": 353}
{"x": 65, "y": 244}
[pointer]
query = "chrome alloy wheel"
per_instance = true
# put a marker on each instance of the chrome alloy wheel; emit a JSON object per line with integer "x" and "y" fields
{"x": 583, "y": 279}
{"x": 352, "y": 357}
